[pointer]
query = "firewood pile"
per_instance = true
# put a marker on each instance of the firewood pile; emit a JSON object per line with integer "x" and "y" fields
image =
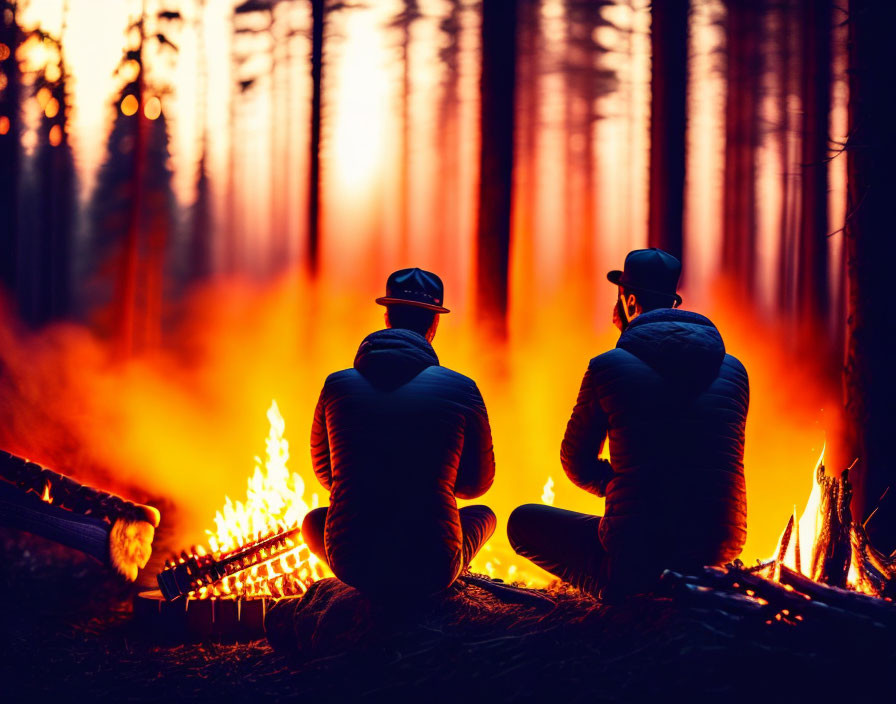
{"x": 838, "y": 579}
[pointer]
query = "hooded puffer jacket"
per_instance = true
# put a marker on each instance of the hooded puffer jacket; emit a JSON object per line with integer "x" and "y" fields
{"x": 674, "y": 407}
{"x": 395, "y": 440}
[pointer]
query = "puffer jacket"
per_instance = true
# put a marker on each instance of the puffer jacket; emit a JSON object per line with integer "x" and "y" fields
{"x": 395, "y": 440}
{"x": 674, "y": 407}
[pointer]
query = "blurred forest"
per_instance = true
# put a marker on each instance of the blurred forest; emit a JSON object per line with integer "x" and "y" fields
{"x": 519, "y": 147}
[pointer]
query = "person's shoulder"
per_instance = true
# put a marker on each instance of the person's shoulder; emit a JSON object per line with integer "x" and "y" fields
{"x": 610, "y": 358}
{"x": 451, "y": 376}
{"x": 341, "y": 375}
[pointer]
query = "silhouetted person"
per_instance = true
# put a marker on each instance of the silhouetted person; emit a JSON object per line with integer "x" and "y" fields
{"x": 673, "y": 405}
{"x": 395, "y": 440}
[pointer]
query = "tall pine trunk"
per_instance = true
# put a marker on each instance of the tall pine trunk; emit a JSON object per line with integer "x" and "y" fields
{"x": 870, "y": 380}
{"x": 812, "y": 273}
{"x": 318, "y": 17}
{"x": 668, "y": 89}
{"x": 742, "y": 29}
{"x": 784, "y": 286}
{"x": 497, "y": 90}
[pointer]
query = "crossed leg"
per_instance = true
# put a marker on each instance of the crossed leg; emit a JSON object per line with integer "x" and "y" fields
{"x": 565, "y": 543}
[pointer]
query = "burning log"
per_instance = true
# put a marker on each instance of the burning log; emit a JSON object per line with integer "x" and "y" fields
{"x": 113, "y": 530}
{"x": 197, "y": 570}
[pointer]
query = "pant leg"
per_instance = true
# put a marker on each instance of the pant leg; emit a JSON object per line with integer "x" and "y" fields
{"x": 477, "y": 523}
{"x": 565, "y": 543}
{"x": 313, "y": 532}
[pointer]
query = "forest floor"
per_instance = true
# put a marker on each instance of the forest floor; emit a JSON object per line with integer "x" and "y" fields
{"x": 68, "y": 632}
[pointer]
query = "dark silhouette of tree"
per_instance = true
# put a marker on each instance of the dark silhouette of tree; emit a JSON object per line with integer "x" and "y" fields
{"x": 812, "y": 273}
{"x": 870, "y": 381}
{"x": 132, "y": 207}
{"x": 199, "y": 255}
{"x": 11, "y": 37}
{"x": 318, "y": 29}
{"x": 585, "y": 83}
{"x": 742, "y": 31}
{"x": 788, "y": 79}
{"x": 409, "y": 14}
{"x": 44, "y": 291}
{"x": 496, "y": 157}
{"x": 668, "y": 99}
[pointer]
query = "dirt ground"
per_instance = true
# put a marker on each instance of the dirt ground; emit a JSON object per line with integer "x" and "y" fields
{"x": 68, "y": 633}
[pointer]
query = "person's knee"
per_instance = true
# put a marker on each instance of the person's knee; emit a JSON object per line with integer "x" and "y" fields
{"x": 481, "y": 516}
{"x": 519, "y": 523}
{"x": 313, "y": 530}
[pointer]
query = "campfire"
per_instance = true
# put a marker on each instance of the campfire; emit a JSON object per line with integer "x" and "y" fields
{"x": 256, "y": 549}
{"x": 824, "y": 569}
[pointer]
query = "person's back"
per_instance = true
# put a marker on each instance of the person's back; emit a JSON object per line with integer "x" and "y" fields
{"x": 395, "y": 440}
{"x": 676, "y": 406}
{"x": 673, "y": 407}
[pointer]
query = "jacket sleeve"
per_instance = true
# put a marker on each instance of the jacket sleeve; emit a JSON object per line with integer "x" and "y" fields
{"x": 320, "y": 442}
{"x": 476, "y": 471}
{"x": 585, "y": 433}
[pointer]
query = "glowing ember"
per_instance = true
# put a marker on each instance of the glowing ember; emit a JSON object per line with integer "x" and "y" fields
{"x": 274, "y": 503}
{"x": 547, "y": 495}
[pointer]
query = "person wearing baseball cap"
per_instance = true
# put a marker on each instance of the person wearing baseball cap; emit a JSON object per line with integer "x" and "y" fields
{"x": 673, "y": 406}
{"x": 396, "y": 440}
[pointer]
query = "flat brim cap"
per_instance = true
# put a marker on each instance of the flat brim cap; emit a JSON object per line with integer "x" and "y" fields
{"x": 651, "y": 271}
{"x": 416, "y": 288}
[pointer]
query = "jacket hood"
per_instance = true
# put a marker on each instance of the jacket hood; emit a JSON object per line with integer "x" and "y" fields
{"x": 685, "y": 348}
{"x": 391, "y": 358}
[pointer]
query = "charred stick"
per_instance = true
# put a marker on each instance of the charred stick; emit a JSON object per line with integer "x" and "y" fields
{"x": 877, "y": 609}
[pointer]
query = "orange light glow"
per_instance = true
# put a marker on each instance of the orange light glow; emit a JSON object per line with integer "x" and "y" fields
{"x": 129, "y": 105}
{"x": 56, "y": 135}
{"x": 52, "y": 108}
{"x": 153, "y": 108}
{"x": 4, "y": 124}
{"x": 4, "y": 52}
{"x": 52, "y": 73}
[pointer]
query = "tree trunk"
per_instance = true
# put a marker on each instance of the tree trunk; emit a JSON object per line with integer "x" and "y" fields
{"x": 784, "y": 288}
{"x": 741, "y": 139}
{"x": 10, "y": 148}
{"x": 668, "y": 88}
{"x": 870, "y": 380}
{"x": 497, "y": 90}
{"x": 318, "y": 18}
{"x": 812, "y": 274}
{"x": 448, "y": 142}
{"x": 129, "y": 268}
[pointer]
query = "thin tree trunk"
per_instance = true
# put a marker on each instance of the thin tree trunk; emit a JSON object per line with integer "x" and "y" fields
{"x": 812, "y": 275}
{"x": 668, "y": 88}
{"x": 10, "y": 148}
{"x": 448, "y": 140}
{"x": 127, "y": 292}
{"x": 870, "y": 380}
{"x": 318, "y": 18}
{"x": 497, "y": 90}
{"x": 408, "y": 16}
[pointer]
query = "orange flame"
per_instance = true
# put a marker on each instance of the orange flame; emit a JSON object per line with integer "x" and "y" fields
{"x": 274, "y": 502}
